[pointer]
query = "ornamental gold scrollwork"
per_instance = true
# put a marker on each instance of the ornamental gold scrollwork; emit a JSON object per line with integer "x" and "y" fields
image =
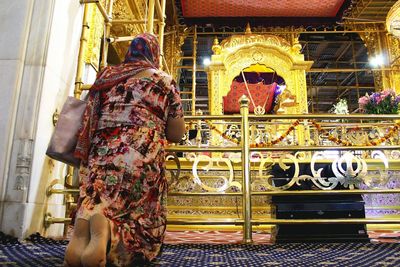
{"x": 348, "y": 176}
{"x": 176, "y": 181}
{"x": 349, "y": 170}
{"x": 226, "y": 182}
{"x": 174, "y": 178}
{"x": 273, "y": 40}
{"x": 320, "y": 182}
{"x": 380, "y": 177}
{"x": 395, "y": 154}
{"x": 266, "y": 180}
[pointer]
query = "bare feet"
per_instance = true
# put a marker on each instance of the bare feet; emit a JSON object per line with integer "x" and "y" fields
{"x": 94, "y": 254}
{"x": 77, "y": 244}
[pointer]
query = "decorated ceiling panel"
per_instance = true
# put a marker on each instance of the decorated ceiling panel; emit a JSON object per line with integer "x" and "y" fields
{"x": 260, "y": 8}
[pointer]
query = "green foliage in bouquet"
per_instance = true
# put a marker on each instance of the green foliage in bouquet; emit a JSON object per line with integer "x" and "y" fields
{"x": 384, "y": 102}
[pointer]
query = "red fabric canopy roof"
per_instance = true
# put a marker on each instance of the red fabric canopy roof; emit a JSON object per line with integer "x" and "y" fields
{"x": 260, "y": 8}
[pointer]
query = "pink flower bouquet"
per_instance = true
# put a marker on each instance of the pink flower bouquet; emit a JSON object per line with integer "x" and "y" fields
{"x": 384, "y": 102}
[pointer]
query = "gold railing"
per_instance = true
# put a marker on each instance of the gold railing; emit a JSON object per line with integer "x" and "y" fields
{"x": 246, "y": 193}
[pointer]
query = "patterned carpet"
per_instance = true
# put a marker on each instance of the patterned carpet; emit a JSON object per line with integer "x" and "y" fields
{"x": 259, "y": 237}
{"x": 39, "y": 251}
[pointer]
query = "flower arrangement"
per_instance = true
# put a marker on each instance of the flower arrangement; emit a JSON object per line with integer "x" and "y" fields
{"x": 340, "y": 107}
{"x": 384, "y": 102}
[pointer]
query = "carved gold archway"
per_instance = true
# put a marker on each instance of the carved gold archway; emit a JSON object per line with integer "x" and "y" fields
{"x": 241, "y": 51}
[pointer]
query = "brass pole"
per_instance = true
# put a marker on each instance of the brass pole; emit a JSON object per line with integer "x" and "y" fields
{"x": 199, "y": 122}
{"x": 106, "y": 17}
{"x": 158, "y": 9}
{"x": 150, "y": 17}
{"x": 107, "y": 30}
{"x": 70, "y": 175}
{"x": 82, "y": 48}
{"x": 202, "y": 149}
{"x": 261, "y": 118}
{"x": 348, "y": 70}
{"x": 326, "y": 221}
{"x": 88, "y": 1}
{"x": 323, "y": 148}
{"x": 194, "y": 70}
{"x": 161, "y": 33}
{"x": 274, "y": 148}
{"x": 246, "y": 200}
{"x": 172, "y": 65}
{"x": 62, "y": 191}
{"x": 51, "y": 191}
{"x": 48, "y": 220}
{"x": 130, "y": 21}
{"x": 137, "y": 8}
{"x": 327, "y": 192}
{"x": 325, "y": 116}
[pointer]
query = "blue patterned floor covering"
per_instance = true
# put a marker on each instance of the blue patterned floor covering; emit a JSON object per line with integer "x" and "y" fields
{"x": 38, "y": 251}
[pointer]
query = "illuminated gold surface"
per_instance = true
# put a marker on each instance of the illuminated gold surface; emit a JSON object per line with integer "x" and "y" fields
{"x": 239, "y": 52}
{"x": 280, "y": 51}
{"x": 393, "y": 19}
{"x": 96, "y": 29}
{"x": 246, "y": 180}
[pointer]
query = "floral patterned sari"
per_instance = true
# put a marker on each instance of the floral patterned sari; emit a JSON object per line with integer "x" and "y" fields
{"x": 122, "y": 175}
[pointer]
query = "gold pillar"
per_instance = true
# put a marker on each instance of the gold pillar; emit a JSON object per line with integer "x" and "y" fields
{"x": 150, "y": 17}
{"x": 393, "y": 41}
{"x": 394, "y": 45}
{"x": 194, "y": 70}
{"x": 107, "y": 31}
{"x": 161, "y": 32}
{"x": 246, "y": 199}
{"x": 377, "y": 45}
{"x": 82, "y": 48}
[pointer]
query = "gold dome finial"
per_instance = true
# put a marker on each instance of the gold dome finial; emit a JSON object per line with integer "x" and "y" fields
{"x": 216, "y": 41}
{"x": 248, "y": 28}
{"x": 216, "y": 48}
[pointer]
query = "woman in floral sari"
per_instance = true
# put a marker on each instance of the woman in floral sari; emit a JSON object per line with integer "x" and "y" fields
{"x": 132, "y": 109}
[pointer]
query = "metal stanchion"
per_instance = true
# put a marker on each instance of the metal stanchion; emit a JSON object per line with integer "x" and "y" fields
{"x": 246, "y": 200}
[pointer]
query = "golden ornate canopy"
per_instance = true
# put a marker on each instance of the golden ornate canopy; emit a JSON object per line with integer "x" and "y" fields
{"x": 241, "y": 51}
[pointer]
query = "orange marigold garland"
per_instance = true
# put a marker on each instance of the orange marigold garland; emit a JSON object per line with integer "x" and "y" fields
{"x": 223, "y": 135}
{"x": 261, "y": 144}
{"x": 376, "y": 142}
{"x": 319, "y": 128}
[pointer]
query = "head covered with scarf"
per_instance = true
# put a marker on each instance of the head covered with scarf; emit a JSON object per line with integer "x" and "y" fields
{"x": 144, "y": 46}
{"x": 143, "y": 54}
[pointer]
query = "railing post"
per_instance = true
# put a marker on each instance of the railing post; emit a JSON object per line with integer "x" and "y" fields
{"x": 150, "y": 17}
{"x": 107, "y": 31}
{"x": 246, "y": 200}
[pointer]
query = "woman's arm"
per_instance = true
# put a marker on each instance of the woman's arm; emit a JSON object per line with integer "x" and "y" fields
{"x": 175, "y": 129}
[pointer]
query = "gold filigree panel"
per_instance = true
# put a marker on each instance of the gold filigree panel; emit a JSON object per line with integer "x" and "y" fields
{"x": 96, "y": 29}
